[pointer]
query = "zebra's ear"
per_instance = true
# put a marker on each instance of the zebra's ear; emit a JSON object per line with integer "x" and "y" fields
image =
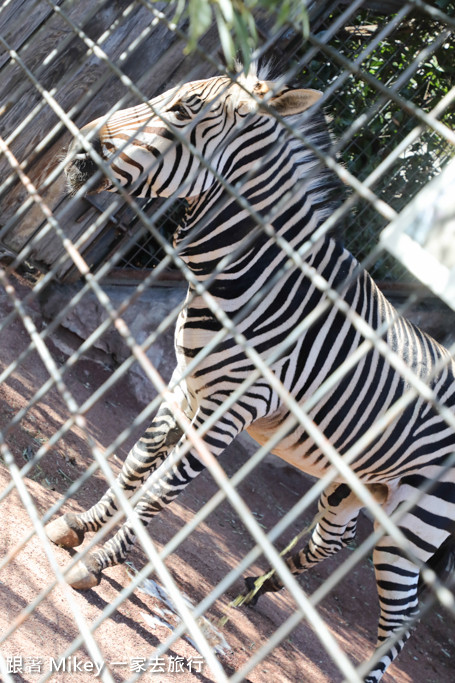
{"x": 289, "y": 102}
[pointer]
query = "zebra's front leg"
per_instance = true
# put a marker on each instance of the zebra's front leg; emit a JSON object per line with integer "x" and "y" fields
{"x": 168, "y": 484}
{"x": 339, "y": 509}
{"x": 143, "y": 459}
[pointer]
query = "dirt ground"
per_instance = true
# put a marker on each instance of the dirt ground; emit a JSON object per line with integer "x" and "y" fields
{"x": 37, "y": 619}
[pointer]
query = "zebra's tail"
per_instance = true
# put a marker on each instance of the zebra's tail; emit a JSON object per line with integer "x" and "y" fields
{"x": 443, "y": 565}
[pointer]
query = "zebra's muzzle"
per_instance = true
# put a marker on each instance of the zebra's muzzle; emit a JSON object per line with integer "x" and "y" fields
{"x": 81, "y": 168}
{"x": 79, "y": 171}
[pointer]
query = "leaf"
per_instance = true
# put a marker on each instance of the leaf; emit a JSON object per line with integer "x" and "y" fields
{"x": 246, "y": 44}
{"x": 227, "y": 44}
{"x": 227, "y": 10}
{"x": 200, "y": 15}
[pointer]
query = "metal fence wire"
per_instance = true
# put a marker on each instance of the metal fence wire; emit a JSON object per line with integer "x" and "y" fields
{"x": 359, "y": 405}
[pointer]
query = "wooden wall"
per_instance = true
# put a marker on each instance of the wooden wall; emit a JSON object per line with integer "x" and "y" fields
{"x": 83, "y": 85}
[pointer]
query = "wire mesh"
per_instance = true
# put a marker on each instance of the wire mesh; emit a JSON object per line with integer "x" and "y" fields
{"x": 87, "y": 339}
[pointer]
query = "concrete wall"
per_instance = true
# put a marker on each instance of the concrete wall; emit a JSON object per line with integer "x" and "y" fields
{"x": 142, "y": 318}
{"x": 150, "y": 309}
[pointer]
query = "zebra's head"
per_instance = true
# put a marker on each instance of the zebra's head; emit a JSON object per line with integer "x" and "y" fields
{"x": 171, "y": 144}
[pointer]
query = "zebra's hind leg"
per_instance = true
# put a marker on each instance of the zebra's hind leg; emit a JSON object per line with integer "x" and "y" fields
{"x": 336, "y": 527}
{"x": 397, "y": 580}
{"x": 143, "y": 459}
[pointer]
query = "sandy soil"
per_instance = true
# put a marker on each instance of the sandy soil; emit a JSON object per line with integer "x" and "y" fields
{"x": 37, "y": 616}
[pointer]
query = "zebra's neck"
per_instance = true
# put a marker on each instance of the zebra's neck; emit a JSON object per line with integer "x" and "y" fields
{"x": 283, "y": 194}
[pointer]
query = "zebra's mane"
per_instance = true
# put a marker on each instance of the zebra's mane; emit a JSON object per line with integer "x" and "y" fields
{"x": 311, "y": 127}
{"x": 256, "y": 71}
{"x": 312, "y": 124}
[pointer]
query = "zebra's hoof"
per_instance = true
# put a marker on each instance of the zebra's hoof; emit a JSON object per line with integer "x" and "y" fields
{"x": 250, "y": 584}
{"x": 81, "y": 577}
{"x": 61, "y": 533}
{"x": 253, "y": 593}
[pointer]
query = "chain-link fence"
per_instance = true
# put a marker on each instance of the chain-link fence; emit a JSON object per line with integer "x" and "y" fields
{"x": 93, "y": 286}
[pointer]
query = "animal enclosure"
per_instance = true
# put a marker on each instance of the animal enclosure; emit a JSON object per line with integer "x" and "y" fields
{"x": 340, "y": 133}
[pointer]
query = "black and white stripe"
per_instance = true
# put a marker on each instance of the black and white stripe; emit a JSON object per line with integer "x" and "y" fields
{"x": 280, "y": 180}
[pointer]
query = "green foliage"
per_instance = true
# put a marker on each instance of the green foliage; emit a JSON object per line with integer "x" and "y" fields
{"x": 236, "y": 24}
{"x": 380, "y": 125}
{"x": 378, "y": 134}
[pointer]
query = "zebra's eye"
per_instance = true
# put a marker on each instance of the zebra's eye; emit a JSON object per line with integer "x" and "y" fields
{"x": 180, "y": 112}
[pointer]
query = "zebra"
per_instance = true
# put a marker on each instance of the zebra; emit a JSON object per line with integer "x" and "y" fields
{"x": 197, "y": 141}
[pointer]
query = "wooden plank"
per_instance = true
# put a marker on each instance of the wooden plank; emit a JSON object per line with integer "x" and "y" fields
{"x": 19, "y": 20}
{"x": 156, "y": 64}
{"x": 122, "y": 277}
{"x": 90, "y": 71}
